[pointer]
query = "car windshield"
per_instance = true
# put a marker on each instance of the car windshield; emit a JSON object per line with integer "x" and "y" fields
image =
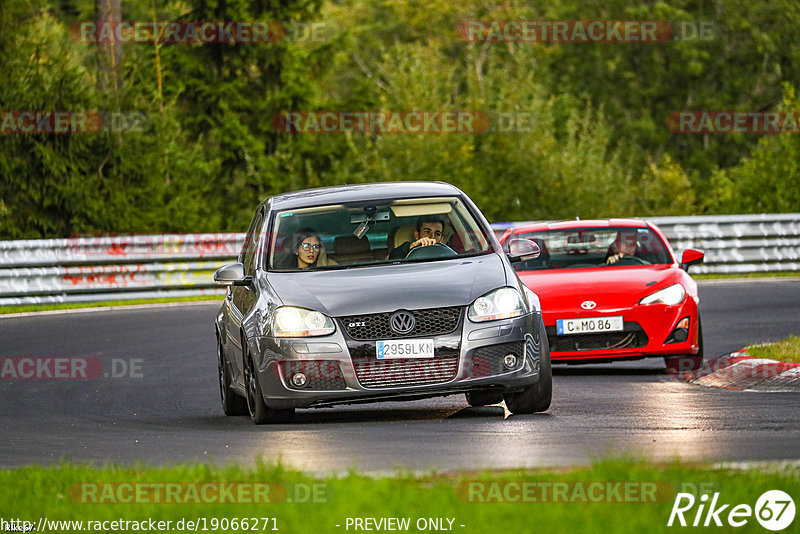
{"x": 595, "y": 247}
{"x": 370, "y": 233}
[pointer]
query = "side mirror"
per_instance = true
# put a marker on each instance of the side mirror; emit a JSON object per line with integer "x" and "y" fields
{"x": 232, "y": 274}
{"x": 691, "y": 256}
{"x": 521, "y": 250}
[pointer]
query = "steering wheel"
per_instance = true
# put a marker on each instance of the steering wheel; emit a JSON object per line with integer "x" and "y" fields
{"x": 431, "y": 252}
{"x": 630, "y": 260}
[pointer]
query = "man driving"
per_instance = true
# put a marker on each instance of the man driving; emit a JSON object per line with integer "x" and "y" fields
{"x": 430, "y": 231}
{"x": 624, "y": 245}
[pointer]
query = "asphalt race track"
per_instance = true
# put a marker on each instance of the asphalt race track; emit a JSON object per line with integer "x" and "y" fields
{"x": 163, "y": 405}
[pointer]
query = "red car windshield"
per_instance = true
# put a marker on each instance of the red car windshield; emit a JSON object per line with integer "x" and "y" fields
{"x": 577, "y": 248}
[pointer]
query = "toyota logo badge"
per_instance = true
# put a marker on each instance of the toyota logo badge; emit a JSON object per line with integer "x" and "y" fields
{"x": 588, "y": 304}
{"x": 402, "y": 322}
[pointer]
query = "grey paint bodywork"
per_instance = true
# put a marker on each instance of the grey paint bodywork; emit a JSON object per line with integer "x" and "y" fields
{"x": 244, "y": 318}
{"x": 456, "y": 282}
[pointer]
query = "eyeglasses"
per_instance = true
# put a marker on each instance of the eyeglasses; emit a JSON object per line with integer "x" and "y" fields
{"x": 309, "y": 246}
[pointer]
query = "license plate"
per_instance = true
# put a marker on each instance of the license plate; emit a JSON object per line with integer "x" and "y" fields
{"x": 404, "y": 348}
{"x": 589, "y": 325}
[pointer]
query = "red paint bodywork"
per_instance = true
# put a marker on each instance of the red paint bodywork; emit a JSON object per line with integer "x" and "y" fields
{"x": 616, "y": 290}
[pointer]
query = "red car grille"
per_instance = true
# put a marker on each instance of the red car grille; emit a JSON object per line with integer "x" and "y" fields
{"x": 631, "y": 337}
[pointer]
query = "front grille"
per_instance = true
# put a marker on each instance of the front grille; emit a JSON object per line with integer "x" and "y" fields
{"x": 430, "y": 322}
{"x": 374, "y": 373}
{"x": 323, "y": 375}
{"x": 488, "y": 360}
{"x": 632, "y": 336}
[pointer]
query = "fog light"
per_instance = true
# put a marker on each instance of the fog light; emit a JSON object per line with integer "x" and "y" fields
{"x": 510, "y": 361}
{"x": 299, "y": 380}
{"x": 681, "y": 332}
{"x": 680, "y": 335}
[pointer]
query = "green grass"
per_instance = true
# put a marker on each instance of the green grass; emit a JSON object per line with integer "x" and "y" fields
{"x": 102, "y": 304}
{"x": 787, "y": 350}
{"x": 723, "y": 276}
{"x": 57, "y": 493}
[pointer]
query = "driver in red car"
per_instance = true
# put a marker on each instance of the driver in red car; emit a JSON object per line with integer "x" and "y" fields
{"x": 430, "y": 231}
{"x": 624, "y": 245}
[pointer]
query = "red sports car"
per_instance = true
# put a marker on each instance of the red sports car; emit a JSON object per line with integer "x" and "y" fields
{"x": 613, "y": 290}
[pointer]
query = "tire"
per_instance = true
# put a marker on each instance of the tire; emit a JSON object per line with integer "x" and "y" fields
{"x": 687, "y": 363}
{"x": 535, "y": 398}
{"x": 259, "y": 412}
{"x": 232, "y": 403}
{"x": 484, "y": 398}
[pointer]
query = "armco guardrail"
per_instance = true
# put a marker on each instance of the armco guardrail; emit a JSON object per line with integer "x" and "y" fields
{"x": 125, "y": 267}
{"x": 113, "y": 268}
{"x": 738, "y": 243}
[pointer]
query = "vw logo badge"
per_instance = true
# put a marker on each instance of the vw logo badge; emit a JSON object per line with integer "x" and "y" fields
{"x": 588, "y": 304}
{"x": 402, "y": 322}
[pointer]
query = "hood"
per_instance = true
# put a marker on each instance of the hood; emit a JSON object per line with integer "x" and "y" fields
{"x": 610, "y": 287}
{"x": 382, "y": 288}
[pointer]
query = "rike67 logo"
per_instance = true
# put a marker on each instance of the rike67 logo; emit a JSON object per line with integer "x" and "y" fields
{"x": 774, "y": 510}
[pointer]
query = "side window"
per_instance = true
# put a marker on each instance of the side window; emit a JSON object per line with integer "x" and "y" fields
{"x": 248, "y": 254}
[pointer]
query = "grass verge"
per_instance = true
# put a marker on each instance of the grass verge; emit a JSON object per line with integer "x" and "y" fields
{"x": 723, "y": 276}
{"x": 786, "y": 350}
{"x": 102, "y": 304}
{"x": 609, "y": 496}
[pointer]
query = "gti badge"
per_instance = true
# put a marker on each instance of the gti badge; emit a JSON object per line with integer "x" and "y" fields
{"x": 588, "y": 304}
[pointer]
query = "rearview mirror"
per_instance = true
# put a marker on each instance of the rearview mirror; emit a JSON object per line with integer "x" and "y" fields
{"x": 232, "y": 274}
{"x": 521, "y": 250}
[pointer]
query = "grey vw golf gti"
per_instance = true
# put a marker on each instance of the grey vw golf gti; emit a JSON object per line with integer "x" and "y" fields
{"x": 363, "y": 293}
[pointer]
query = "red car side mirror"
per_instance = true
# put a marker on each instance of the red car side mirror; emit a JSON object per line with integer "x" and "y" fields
{"x": 691, "y": 256}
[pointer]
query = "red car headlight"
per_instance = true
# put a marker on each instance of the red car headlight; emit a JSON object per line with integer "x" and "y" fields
{"x": 671, "y": 296}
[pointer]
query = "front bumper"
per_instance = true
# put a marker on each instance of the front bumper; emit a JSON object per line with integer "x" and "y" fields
{"x": 341, "y": 370}
{"x": 648, "y": 331}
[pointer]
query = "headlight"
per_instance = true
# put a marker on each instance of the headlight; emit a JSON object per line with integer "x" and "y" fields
{"x": 502, "y": 303}
{"x": 289, "y": 321}
{"x": 671, "y": 295}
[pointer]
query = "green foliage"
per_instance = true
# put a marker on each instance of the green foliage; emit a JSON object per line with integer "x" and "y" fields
{"x": 151, "y": 178}
{"x": 594, "y": 141}
{"x": 767, "y": 180}
{"x": 665, "y": 190}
